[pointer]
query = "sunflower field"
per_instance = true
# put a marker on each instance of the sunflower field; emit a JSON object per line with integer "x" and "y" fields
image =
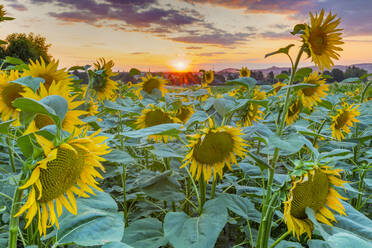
{"x": 105, "y": 163}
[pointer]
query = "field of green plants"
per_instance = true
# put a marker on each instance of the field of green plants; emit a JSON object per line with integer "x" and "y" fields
{"x": 145, "y": 165}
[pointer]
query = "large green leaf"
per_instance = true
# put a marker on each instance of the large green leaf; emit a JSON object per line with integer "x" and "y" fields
{"x": 4, "y": 126}
{"x": 116, "y": 244}
{"x": 165, "y": 151}
{"x": 287, "y": 144}
{"x": 184, "y": 231}
{"x": 223, "y": 105}
{"x": 97, "y": 222}
{"x": 347, "y": 240}
{"x": 145, "y": 233}
{"x": 118, "y": 156}
{"x": 57, "y": 103}
{"x": 198, "y": 116}
{"x": 28, "y": 81}
{"x": 284, "y": 50}
{"x": 241, "y": 206}
{"x": 248, "y": 82}
{"x": 172, "y": 129}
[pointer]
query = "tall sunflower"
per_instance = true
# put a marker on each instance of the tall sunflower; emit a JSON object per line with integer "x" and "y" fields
{"x": 323, "y": 38}
{"x": 314, "y": 189}
{"x": 152, "y": 116}
{"x": 293, "y": 113}
{"x": 103, "y": 86}
{"x": 66, "y": 170}
{"x": 212, "y": 149}
{"x": 344, "y": 119}
{"x": 244, "y": 72}
{"x": 150, "y": 83}
{"x": 8, "y": 93}
{"x": 71, "y": 119}
{"x": 208, "y": 77}
{"x": 48, "y": 72}
{"x": 311, "y": 96}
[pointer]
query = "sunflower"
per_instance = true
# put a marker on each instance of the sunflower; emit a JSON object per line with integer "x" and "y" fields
{"x": 8, "y": 93}
{"x": 103, "y": 87}
{"x": 212, "y": 149}
{"x": 278, "y": 86}
{"x": 71, "y": 119}
{"x": 150, "y": 83}
{"x": 208, "y": 77}
{"x": 152, "y": 116}
{"x": 323, "y": 38}
{"x": 344, "y": 119}
{"x": 244, "y": 72}
{"x": 253, "y": 112}
{"x": 65, "y": 170}
{"x": 184, "y": 113}
{"x": 48, "y": 72}
{"x": 314, "y": 189}
{"x": 311, "y": 96}
{"x": 293, "y": 112}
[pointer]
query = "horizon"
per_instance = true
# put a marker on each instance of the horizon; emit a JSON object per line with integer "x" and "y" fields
{"x": 183, "y": 35}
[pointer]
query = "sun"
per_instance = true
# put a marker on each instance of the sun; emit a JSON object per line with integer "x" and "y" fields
{"x": 180, "y": 65}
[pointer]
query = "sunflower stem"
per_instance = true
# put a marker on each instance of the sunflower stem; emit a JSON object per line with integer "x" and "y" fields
{"x": 318, "y": 132}
{"x": 202, "y": 188}
{"x": 195, "y": 189}
{"x": 14, "y": 221}
{"x": 11, "y": 154}
{"x": 213, "y": 188}
{"x": 280, "y": 239}
{"x": 265, "y": 211}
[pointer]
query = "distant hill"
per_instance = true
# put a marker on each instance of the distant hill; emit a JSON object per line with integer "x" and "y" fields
{"x": 277, "y": 70}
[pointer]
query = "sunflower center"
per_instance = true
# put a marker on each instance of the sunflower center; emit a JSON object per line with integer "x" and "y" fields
{"x": 10, "y": 93}
{"x": 157, "y": 117}
{"x": 42, "y": 121}
{"x": 294, "y": 109}
{"x": 318, "y": 41}
{"x": 311, "y": 193}
{"x": 99, "y": 82}
{"x": 150, "y": 85}
{"x": 342, "y": 119}
{"x": 213, "y": 148}
{"x": 183, "y": 114}
{"x": 61, "y": 173}
{"x": 208, "y": 76}
{"x": 310, "y": 91}
{"x": 244, "y": 73}
{"x": 48, "y": 79}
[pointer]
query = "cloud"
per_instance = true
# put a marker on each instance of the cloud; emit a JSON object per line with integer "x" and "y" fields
{"x": 194, "y": 47}
{"x": 277, "y": 35}
{"x": 17, "y": 6}
{"x": 224, "y": 39}
{"x": 209, "y": 54}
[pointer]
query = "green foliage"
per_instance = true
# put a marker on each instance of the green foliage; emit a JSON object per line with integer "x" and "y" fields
{"x": 26, "y": 47}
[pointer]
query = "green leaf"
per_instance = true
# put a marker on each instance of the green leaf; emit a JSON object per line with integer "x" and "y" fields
{"x": 163, "y": 187}
{"x": 5, "y": 125}
{"x": 347, "y": 240}
{"x": 146, "y": 232}
{"x": 301, "y": 73}
{"x": 26, "y": 146}
{"x": 57, "y": 103}
{"x": 3, "y": 42}
{"x": 165, "y": 151}
{"x": 241, "y": 206}
{"x": 262, "y": 164}
{"x": 116, "y": 244}
{"x": 351, "y": 80}
{"x": 133, "y": 72}
{"x": 298, "y": 28}
{"x": 197, "y": 117}
{"x": 287, "y": 144}
{"x": 171, "y": 129}
{"x": 118, "y": 156}
{"x": 184, "y": 231}
{"x": 298, "y": 86}
{"x": 30, "y": 82}
{"x": 76, "y": 68}
{"x": 13, "y": 61}
{"x": 284, "y": 50}
{"x": 248, "y": 82}
{"x": 223, "y": 105}
{"x": 97, "y": 222}
{"x": 282, "y": 76}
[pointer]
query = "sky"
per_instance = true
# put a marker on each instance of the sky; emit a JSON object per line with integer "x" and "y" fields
{"x": 169, "y": 35}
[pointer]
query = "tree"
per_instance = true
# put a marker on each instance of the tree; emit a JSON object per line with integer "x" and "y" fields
{"x": 270, "y": 78}
{"x": 337, "y": 75}
{"x": 26, "y": 47}
{"x": 354, "y": 71}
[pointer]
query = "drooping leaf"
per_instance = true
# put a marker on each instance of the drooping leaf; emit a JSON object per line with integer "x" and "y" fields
{"x": 284, "y": 50}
